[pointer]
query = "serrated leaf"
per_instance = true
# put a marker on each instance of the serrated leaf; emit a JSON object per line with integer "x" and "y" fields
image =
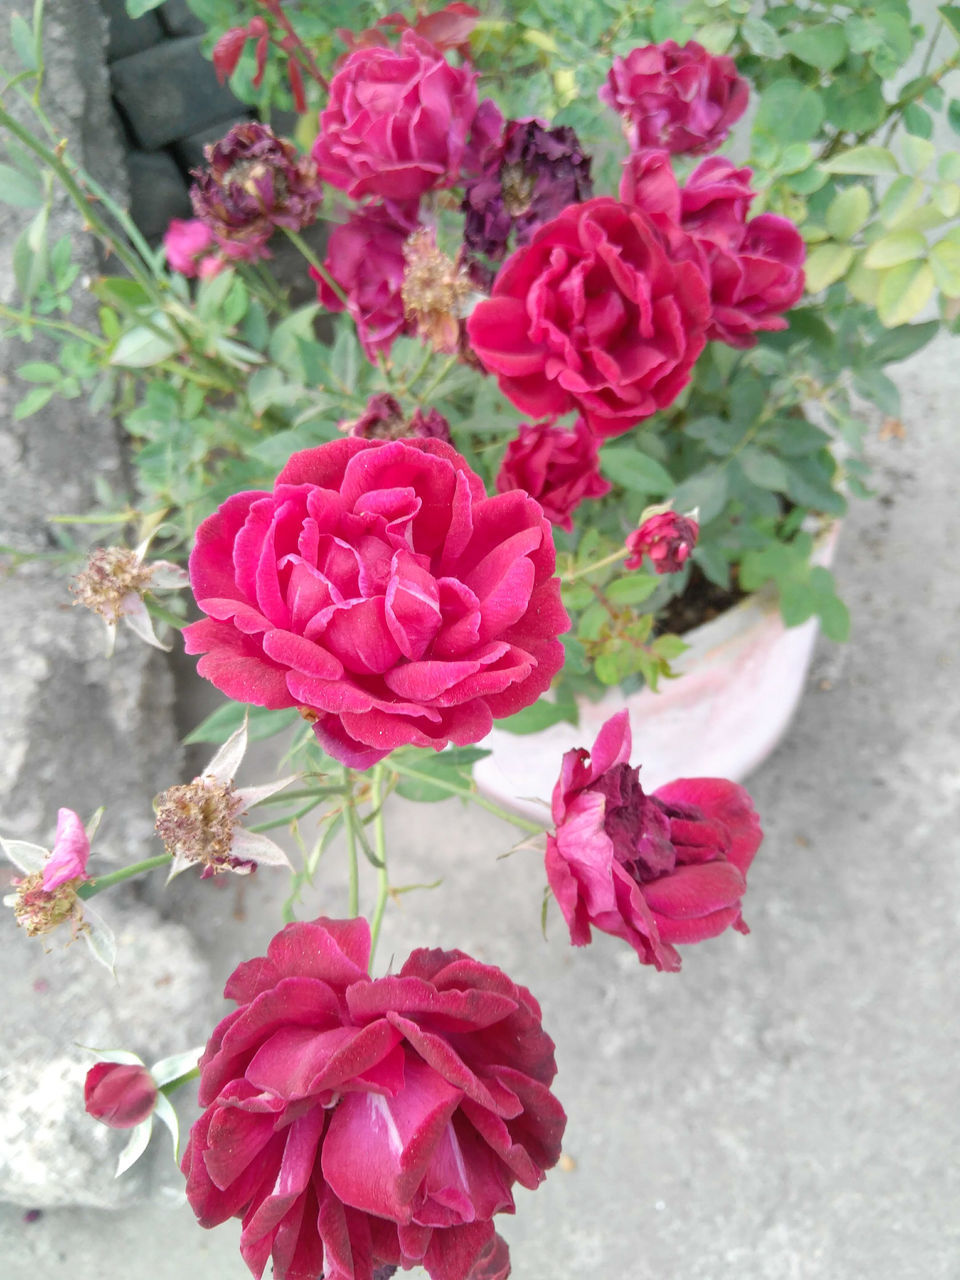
{"x": 904, "y": 292}
{"x": 827, "y": 263}
{"x": 946, "y": 197}
{"x": 918, "y": 121}
{"x": 32, "y": 402}
{"x": 30, "y": 257}
{"x": 901, "y": 199}
{"x": 140, "y": 347}
{"x": 632, "y": 589}
{"x": 899, "y": 343}
{"x": 18, "y": 189}
{"x": 763, "y": 468}
{"x": 789, "y": 112}
{"x": 945, "y": 264}
{"x": 918, "y": 153}
{"x": 823, "y": 45}
{"x": 953, "y": 114}
{"x": 226, "y": 720}
{"x": 866, "y": 161}
{"x": 948, "y": 166}
{"x": 539, "y": 715}
{"x": 761, "y": 38}
{"x": 21, "y": 37}
{"x": 893, "y": 249}
{"x": 950, "y": 13}
{"x": 634, "y": 470}
{"x": 848, "y": 212}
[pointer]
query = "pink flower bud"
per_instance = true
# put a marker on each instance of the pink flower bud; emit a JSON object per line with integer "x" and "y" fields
{"x": 119, "y": 1094}
{"x": 667, "y": 538}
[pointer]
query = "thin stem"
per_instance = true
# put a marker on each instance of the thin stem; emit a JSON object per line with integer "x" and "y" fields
{"x": 435, "y": 382}
{"x": 383, "y": 881}
{"x": 59, "y": 326}
{"x": 469, "y": 794}
{"x": 596, "y": 564}
{"x": 296, "y": 239}
{"x": 350, "y": 822}
{"x": 275, "y": 8}
{"x": 187, "y": 1076}
{"x": 93, "y": 887}
{"x": 421, "y": 370}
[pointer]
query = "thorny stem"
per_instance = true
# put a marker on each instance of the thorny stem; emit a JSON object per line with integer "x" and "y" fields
{"x": 92, "y": 887}
{"x": 275, "y": 9}
{"x": 441, "y": 374}
{"x": 295, "y": 238}
{"x": 380, "y": 844}
{"x": 350, "y": 822}
{"x": 468, "y": 794}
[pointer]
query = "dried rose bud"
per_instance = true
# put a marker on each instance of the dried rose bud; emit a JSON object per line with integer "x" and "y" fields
{"x": 666, "y": 537}
{"x": 435, "y": 292}
{"x": 119, "y": 1094}
{"x": 255, "y": 182}
{"x": 381, "y": 420}
{"x": 199, "y": 821}
{"x": 431, "y": 425}
{"x": 534, "y": 175}
{"x": 114, "y": 583}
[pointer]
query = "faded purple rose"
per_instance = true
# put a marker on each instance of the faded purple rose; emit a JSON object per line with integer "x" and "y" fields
{"x": 119, "y": 1094}
{"x": 398, "y": 122}
{"x": 530, "y": 178}
{"x": 559, "y": 466}
{"x": 680, "y": 98}
{"x": 357, "y": 1124}
{"x": 365, "y": 257}
{"x": 667, "y": 538}
{"x": 383, "y": 419}
{"x": 655, "y": 870}
{"x": 254, "y": 182}
{"x": 431, "y": 425}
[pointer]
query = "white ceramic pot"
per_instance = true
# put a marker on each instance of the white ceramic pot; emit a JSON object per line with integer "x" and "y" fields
{"x": 739, "y": 685}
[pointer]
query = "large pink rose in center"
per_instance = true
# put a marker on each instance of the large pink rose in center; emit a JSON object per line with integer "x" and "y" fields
{"x": 380, "y": 590}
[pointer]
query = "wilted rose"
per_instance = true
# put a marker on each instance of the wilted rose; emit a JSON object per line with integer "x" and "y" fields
{"x": 360, "y": 1124}
{"x": 655, "y": 870}
{"x": 380, "y": 590}
{"x": 666, "y": 537}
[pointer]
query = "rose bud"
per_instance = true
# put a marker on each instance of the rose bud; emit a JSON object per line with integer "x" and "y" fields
{"x": 657, "y": 869}
{"x": 533, "y": 176}
{"x": 119, "y": 1094}
{"x": 666, "y": 537}
{"x": 680, "y": 98}
{"x": 557, "y": 466}
{"x": 254, "y": 183}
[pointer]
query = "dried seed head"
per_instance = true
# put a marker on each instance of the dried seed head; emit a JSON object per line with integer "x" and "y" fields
{"x": 196, "y": 822}
{"x": 39, "y": 911}
{"x": 435, "y": 291}
{"x": 113, "y": 575}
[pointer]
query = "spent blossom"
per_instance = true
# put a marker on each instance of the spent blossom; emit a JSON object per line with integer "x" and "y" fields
{"x": 199, "y": 821}
{"x": 435, "y": 292}
{"x": 384, "y": 419}
{"x": 665, "y": 536}
{"x": 114, "y": 584}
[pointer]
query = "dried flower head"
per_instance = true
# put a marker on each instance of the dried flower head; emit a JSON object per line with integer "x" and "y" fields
{"x": 114, "y": 583}
{"x": 199, "y": 821}
{"x": 665, "y": 536}
{"x": 383, "y": 419}
{"x": 435, "y": 291}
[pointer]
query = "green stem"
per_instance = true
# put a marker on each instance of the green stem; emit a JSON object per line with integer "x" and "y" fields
{"x": 350, "y": 822}
{"x": 424, "y": 365}
{"x": 59, "y": 326}
{"x": 295, "y": 238}
{"x": 444, "y": 370}
{"x": 187, "y": 1076}
{"x": 468, "y": 794}
{"x": 596, "y": 564}
{"x": 383, "y": 881}
{"x": 93, "y": 887}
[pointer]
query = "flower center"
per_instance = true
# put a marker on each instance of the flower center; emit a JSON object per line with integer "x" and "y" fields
{"x": 517, "y": 186}
{"x": 195, "y": 821}
{"x": 39, "y": 910}
{"x": 111, "y": 575}
{"x": 636, "y": 825}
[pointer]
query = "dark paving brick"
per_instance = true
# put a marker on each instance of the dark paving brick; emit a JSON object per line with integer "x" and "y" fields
{"x": 178, "y": 20}
{"x": 129, "y": 35}
{"x": 169, "y": 92}
{"x": 157, "y": 191}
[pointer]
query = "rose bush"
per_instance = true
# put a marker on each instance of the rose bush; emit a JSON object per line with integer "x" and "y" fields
{"x": 595, "y": 314}
{"x": 398, "y": 121}
{"x": 655, "y": 870}
{"x": 380, "y": 590}
{"x": 678, "y": 97}
{"x": 356, "y": 1123}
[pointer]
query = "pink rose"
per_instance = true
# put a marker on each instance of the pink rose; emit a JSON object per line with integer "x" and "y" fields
{"x": 191, "y": 249}
{"x": 360, "y": 1124}
{"x": 680, "y": 98}
{"x": 380, "y": 590}
{"x": 595, "y": 314}
{"x": 667, "y": 538}
{"x": 397, "y": 123}
{"x": 557, "y": 466}
{"x": 70, "y": 853}
{"x": 654, "y": 870}
{"x": 119, "y": 1094}
{"x": 365, "y": 258}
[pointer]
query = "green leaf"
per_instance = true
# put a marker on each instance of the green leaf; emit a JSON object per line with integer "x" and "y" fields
{"x": 918, "y": 121}
{"x": 23, "y": 42}
{"x": 876, "y": 387}
{"x": 893, "y": 249}
{"x": 38, "y": 371}
{"x": 833, "y": 613}
{"x": 945, "y": 264}
{"x": 706, "y": 491}
{"x": 901, "y": 199}
{"x": 451, "y": 767}
{"x": 827, "y": 263}
{"x": 848, "y": 212}
{"x": 899, "y": 343}
{"x": 220, "y": 724}
{"x": 137, "y": 8}
{"x": 18, "y": 189}
{"x": 140, "y": 347}
{"x": 867, "y": 161}
{"x": 541, "y": 715}
{"x": 761, "y": 38}
{"x": 632, "y": 589}
{"x": 918, "y": 153}
{"x": 904, "y": 292}
{"x": 633, "y": 470}
{"x": 763, "y": 468}
{"x": 822, "y": 45}
{"x": 30, "y": 256}
{"x": 32, "y": 402}
{"x": 789, "y": 112}
{"x": 950, "y": 13}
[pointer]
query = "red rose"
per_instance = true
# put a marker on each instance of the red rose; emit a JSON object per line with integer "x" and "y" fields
{"x": 365, "y": 258}
{"x": 667, "y": 538}
{"x": 359, "y": 1124}
{"x": 680, "y": 98}
{"x": 559, "y": 467}
{"x": 119, "y": 1094}
{"x": 594, "y": 314}
{"x": 380, "y": 590}
{"x": 654, "y": 870}
{"x": 397, "y": 123}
